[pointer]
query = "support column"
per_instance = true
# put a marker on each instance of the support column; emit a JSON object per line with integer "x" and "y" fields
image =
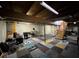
{"x": 44, "y": 33}
{"x": 61, "y": 30}
{"x": 11, "y": 28}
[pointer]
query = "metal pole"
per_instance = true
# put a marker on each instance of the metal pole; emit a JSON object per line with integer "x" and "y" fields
{"x": 44, "y": 33}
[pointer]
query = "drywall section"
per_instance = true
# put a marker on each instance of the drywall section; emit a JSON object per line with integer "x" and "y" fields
{"x": 54, "y": 30}
{"x": 72, "y": 28}
{"x": 48, "y": 29}
{"x": 28, "y": 27}
{"x": 11, "y": 26}
{"x": 23, "y": 27}
{"x": 2, "y": 31}
{"x": 40, "y": 29}
{"x": 75, "y": 28}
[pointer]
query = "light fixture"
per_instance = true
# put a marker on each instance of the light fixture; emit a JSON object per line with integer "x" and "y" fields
{"x": 74, "y": 22}
{"x": 0, "y": 6}
{"x": 57, "y": 22}
{"x": 48, "y": 7}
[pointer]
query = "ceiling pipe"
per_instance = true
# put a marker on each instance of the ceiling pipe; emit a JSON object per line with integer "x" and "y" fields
{"x": 62, "y": 18}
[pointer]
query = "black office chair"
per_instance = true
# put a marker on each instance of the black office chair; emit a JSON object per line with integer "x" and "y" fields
{"x": 4, "y": 47}
{"x": 14, "y": 34}
{"x": 8, "y": 40}
{"x": 19, "y": 40}
{"x": 12, "y": 45}
{"x": 25, "y": 35}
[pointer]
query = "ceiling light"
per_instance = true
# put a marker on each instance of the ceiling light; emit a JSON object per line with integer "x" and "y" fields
{"x": 74, "y": 22}
{"x": 0, "y": 6}
{"x": 57, "y": 22}
{"x": 49, "y": 7}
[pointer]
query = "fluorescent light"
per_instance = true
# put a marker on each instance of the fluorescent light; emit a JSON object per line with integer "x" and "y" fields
{"x": 49, "y": 7}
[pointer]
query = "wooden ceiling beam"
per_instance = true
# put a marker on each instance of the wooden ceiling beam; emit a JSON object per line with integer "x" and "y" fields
{"x": 44, "y": 14}
{"x": 35, "y": 8}
{"x": 15, "y": 16}
{"x": 21, "y": 7}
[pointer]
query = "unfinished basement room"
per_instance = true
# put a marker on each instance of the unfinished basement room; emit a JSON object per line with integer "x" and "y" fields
{"x": 39, "y": 29}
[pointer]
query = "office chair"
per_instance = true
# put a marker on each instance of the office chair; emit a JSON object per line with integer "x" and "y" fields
{"x": 4, "y": 47}
{"x": 25, "y": 35}
{"x": 19, "y": 40}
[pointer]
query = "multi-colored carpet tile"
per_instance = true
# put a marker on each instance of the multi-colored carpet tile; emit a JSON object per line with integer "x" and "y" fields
{"x": 43, "y": 49}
